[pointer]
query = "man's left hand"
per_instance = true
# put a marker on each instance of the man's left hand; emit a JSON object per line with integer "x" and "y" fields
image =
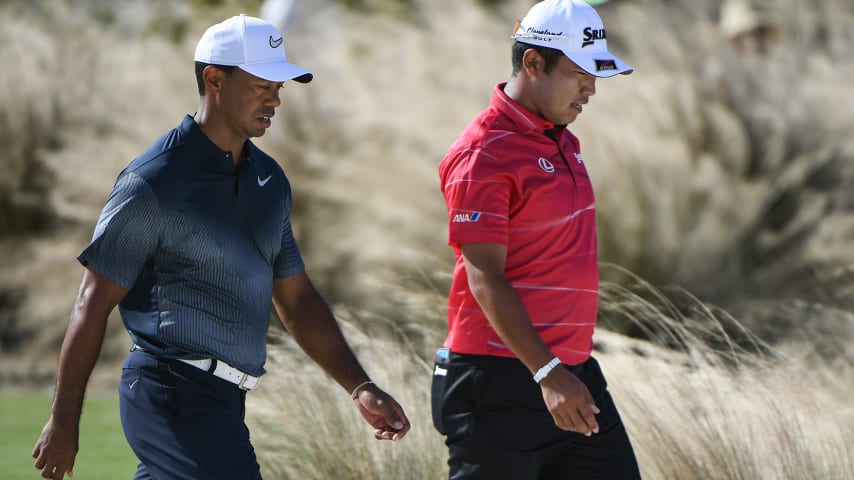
{"x": 382, "y": 412}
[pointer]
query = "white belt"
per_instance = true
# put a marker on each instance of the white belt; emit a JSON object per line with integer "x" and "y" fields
{"x": 222, "y": 370}
{"x": 226, "y": 372}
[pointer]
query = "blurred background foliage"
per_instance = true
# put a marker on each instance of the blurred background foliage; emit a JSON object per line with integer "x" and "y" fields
{"x": 723, "y": 164}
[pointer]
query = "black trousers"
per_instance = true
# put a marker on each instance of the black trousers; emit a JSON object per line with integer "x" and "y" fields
{"x": 497, "y": 426}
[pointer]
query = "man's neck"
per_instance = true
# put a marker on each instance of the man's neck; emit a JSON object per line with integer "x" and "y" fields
{"x": 219, "y": 135}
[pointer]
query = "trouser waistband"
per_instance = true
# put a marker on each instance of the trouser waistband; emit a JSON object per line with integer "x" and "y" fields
{"x": 219, "y": 369}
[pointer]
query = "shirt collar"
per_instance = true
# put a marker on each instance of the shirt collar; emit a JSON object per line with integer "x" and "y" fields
{"x": 525, "y": 119}
{"x": 190, "y": 128}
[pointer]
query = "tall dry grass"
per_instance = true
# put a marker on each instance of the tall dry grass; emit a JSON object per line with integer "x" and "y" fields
{"x": 81, "y": 96}
{"x": 711, "y": 167}
{"x": 703, "y": 403}
{"x": 728, "y": 162}
{"x": 726, "y": 173}
{"x": 24, "y": 110}
{"x": 305, "y": 426}
{"x": 698, "y": 403}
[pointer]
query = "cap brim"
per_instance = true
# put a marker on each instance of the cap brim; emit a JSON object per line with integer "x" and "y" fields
{"x": 600, "y": 64}
{"x": 278, "y": 71}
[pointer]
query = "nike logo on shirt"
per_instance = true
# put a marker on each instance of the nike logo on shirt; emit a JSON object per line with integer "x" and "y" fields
{"x": 261, "y": 183}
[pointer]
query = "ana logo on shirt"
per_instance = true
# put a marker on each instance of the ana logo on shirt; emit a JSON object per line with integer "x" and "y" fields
{"x": 466, "y": 217}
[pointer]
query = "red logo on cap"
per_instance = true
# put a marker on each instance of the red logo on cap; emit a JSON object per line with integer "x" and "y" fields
{"x": 605, "y": 65}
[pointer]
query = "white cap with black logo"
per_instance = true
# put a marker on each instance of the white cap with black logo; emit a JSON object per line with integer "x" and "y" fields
{"x": 573, "y": 27}
{"x": 251, "y": 44}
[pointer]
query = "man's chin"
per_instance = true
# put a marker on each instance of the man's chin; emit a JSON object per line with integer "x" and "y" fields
{"x": 258, "y": 132}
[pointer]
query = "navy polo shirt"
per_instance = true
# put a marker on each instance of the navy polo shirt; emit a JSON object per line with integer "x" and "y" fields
{"x": 198, "y": 243}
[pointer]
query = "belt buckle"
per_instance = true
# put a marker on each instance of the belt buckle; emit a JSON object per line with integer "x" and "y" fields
{"x": 243, "y": 378}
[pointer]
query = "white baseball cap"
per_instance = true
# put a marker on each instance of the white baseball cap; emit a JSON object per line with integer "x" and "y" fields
{"x": 573, "y": 27}
{"x": 251, "y": 44}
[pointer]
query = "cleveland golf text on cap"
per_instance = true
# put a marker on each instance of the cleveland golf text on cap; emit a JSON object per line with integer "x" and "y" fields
{"x": 573, "y": 27}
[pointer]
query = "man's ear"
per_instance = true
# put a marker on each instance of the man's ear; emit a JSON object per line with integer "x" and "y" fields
{"x": 214, "y": 78}
{"x": 532, "y": 62}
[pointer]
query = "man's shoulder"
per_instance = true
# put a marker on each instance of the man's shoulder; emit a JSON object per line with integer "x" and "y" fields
{"x": 488, "y": 140}
{"x": 489, "y": 129}
{"x": 151, "y": 161}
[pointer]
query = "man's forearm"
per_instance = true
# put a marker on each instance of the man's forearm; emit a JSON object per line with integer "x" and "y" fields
{"x": 313, "y": 326}
{"x": 84, "y": 338}
{"x": 80, "y": 350}
{"x": 507, "y": 315}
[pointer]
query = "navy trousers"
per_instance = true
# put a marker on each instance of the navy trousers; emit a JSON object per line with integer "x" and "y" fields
{"x": 497, "y": 426}
{"x": 183, "y": 423}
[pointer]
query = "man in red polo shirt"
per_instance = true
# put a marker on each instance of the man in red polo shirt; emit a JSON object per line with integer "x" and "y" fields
{"x": 523, "y": 302}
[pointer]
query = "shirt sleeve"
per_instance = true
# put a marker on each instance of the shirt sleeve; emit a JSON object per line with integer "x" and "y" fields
{"x": 289, "y": 261}
{"x": 127, "y": 233}
{"x": 478, "y": 194}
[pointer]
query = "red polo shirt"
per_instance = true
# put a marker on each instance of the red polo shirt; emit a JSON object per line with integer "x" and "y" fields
{"x": 505, "y": 181}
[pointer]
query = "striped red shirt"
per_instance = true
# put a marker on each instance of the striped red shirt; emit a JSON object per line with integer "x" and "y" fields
{"x": 506, "y": 181}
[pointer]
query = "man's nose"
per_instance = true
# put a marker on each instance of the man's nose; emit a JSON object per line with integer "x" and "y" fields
{"x": 589, "y": 87}
{"x": 274, "y": 100}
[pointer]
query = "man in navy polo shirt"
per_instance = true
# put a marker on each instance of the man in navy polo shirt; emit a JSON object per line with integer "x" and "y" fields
{"x": 195, "y": 245}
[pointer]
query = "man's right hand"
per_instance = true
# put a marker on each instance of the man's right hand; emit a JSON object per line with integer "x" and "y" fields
{"x": 56, "y": 450}
{"x": 569, "y": 401}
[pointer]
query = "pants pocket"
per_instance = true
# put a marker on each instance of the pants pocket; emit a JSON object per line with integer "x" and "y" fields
{"x": 129, "y": 383}
{"x": 460, "y": 384}
{"x": 594, "y": 379}
{"x": 439, "y": 388}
